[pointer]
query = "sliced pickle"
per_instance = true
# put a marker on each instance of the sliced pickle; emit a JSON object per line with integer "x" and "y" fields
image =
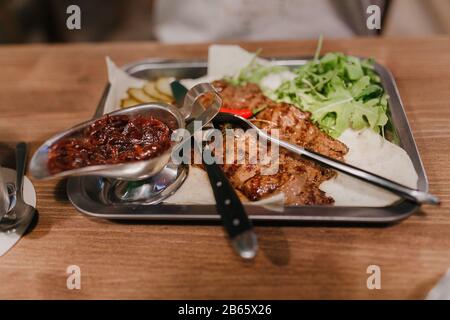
{"x": 150, "y": 89}
{"x": 126, "y": 103}
{"x": 139, "y": 95}
{"x": 163, "y": 86}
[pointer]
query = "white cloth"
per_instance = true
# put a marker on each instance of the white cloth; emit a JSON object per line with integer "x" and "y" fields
{"x": 205, "y": 20}
{"x": 442, "y": 289}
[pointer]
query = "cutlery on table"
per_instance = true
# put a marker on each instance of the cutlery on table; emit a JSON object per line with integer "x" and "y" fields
{"x": 394, "y": 187}
{"x": 19, "y": 218}
{"x": 234, "y": 218}
{"x": 4, "y": 197}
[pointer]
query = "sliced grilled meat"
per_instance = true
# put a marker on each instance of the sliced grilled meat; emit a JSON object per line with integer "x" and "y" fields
{"x": 299, "y": 179}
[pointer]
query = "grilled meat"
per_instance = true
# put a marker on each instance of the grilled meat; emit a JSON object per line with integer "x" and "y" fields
{"x": 299, "y": 179}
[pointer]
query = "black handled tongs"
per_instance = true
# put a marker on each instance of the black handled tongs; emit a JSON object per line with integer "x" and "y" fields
{"x": 228, "y": 205}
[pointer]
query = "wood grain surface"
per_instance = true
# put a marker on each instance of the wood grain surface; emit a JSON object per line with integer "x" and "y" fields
{"x": 45, "y": 89}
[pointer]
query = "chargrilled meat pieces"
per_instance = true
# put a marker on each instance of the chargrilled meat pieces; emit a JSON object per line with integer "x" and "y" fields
{"x": 296, "y": 127}
{"x": 299, "y": 179}
{"x": 241, "y": 97}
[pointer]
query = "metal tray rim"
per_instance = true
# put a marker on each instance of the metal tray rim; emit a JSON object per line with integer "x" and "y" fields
{"x": 74, "y": 186}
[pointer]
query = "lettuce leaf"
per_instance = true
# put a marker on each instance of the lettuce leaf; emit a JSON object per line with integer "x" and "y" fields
{"x": 340, "y": 91}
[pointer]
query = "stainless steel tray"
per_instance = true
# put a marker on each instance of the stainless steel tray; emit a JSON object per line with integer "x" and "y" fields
{"x": 84, "y": 192}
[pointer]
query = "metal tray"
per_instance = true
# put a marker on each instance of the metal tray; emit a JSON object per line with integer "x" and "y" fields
{"x": 84, "y": 192}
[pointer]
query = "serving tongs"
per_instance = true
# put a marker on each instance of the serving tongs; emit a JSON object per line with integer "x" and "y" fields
{"x": 228, "y": 205}
{"x": 174, "y": 118}
{"x": 405, "y": 192}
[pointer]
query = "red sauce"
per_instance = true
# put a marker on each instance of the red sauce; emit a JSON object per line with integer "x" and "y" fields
{"x": 111, "y": 140}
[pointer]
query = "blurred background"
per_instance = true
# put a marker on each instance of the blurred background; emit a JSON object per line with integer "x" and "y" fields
{"x": 24, "y": 21}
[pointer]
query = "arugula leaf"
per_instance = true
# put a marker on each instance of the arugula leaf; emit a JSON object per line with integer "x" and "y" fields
{"x": 340, "y": 91}
{"x": 254, "y": 72}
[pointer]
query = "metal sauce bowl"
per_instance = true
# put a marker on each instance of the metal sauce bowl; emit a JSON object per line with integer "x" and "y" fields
{"x": 173, "y": 117}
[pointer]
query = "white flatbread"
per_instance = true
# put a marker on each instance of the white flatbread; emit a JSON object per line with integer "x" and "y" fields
{"x": 370, "y": 151}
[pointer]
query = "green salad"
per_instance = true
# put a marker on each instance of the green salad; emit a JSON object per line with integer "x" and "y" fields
{"x": 339, "y": 90}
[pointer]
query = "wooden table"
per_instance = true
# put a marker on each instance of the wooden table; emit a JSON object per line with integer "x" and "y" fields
{"x": 45, "y": 89}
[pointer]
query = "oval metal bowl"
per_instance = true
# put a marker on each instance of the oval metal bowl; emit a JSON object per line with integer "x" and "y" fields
{"x": 135, "y": 170}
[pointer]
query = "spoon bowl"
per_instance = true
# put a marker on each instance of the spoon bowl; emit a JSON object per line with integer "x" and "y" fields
{"x": 4, "y": 197}
{"x": 20, "y": 216}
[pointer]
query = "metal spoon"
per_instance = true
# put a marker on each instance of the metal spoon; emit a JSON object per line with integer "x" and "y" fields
{"x": 4, "y": 197}
{"x": 22, "y": 214}
{"x": 394, "y": 187}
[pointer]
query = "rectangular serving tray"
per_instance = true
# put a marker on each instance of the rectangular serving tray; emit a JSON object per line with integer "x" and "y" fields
{"x": 83, "y": 195}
